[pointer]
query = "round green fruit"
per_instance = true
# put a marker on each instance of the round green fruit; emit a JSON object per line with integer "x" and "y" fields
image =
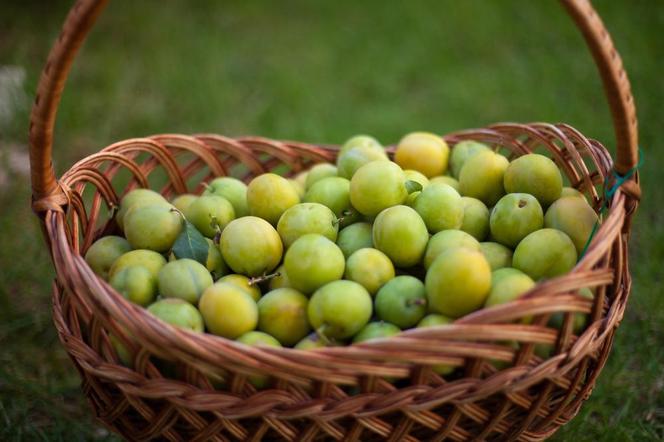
{"x": 377, "y": 186}
{"x": 307, "y": 218}
{"x": 369, "y": 267}
{"x": 152, "y": 227}
{"x": 257, "y": 339}
{"x": 215, "y": 262}
{"x": 418, "y": 177}
{"x": 299, "y": 188}
{"x": 251, "y": 246}
{"x": 210, "y": 214}
{"x": 422, "y": 151}
{"x": 544, "y": 254}
{"x": 179, "y": 313}
{"x": 136, "y": 197}
{"x": 334, "y": 193}
{"x": 136, "y": 284}
{"x": 537, "y": 175}
{"x": 402, "y": 301}
{"x": 514, "y": 217}
{"x": 310, "y": 342}
{"x": 228, "y": 310}
{"x": 434, "y": 319}
{"x": 475, "y": 218}
{"x": 441, "y": 207}
{"x": 351, "y": 160}
{"x": 361, "y": 141}
{"x": 269, "y": 195}
{"x": 462, "y": 151}
{"x": 496, "y": 254}
{"x": 482, "y": 177}
{"x": 447, "y": 240}
{"x": 280, "y": 280}
{"x": 312, "y": 261}
{"x": 282, "y": 313}
{"x": 573, "y": 216}
{"x": 507, "y": 285}
{"x": 400, "y": 233}
{"x": 233, "y": 190}
{"x": 182, "y": 202}
{"x": 149, "y": 259}
{"x": 354, "y": 237}
{"x": 444, "y": 179}
{"x": 185, "y": 279}
{"x": 376, "y": 330}
{"x": 318, "y": 172}
{"x": 243, "y": 283}
{"x": 340, "y": 309}
{"x": 102, "y": 254}
{"x": 571, "y": 191}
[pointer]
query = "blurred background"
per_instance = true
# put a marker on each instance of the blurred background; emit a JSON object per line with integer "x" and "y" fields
{"x": 317, "y": 71}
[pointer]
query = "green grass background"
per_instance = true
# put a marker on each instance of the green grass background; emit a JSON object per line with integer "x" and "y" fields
{"x": 322, "y": 71}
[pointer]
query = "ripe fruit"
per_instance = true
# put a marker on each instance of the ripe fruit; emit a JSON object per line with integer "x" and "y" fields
{"x": 447, "y": 240}
{"x": 210, "y": 214}
{"x": 571, "y": 191}
{"x": 351, "y": 160}
{"x": 414, "y": 175}
{"x": 312, "y": 261}
{"x": 369, "y": 197}
{"x": 444, "y": 179}
{"x": 282, "y": 313}
{"x": 360, "y": 141}
{"x": 299, "y": 188}
{"x": 281, "y": 280}
{"x": 152, "y": 227}
{"x": 463, "y": 151}
{"x": 573, "y": 216}
{"x": 215, "y": 262}
{"x": 244, "y": 284}
{"x": 400, "y": 233}
{"x": 369, "y": 267}
{"x": 475, "y": 218}
{"x": 354, "y": 237}
{"x": 181, "y": 202}
{"x": 402, "y": 301}
{"x": 251, "y": 246}
{"x": 307, "y": 218}
{"x": 482, "y": 177}
{"x": 441, "y": 207}
{"x": 233, "y": 190}
{"x": 340, "y": 309}
{"x": 458, "y": 282}
{"x": 514, "y": 217}
{"x": 152, "y": 261}
{"x": 508, "y": 284}
{"x": 334, "y": 193}
{"x": 544, "y": 254}
{"x": 537, "y": 175}
{"x": 310, "y": 342}
{"x": 496, "y": 254}
{"x": 136, "y": 284}
{"x": 135, "y": 197}
{"x": 318, "y": 172}
{"x": 376, "y": 330}
{"x": 425, "y": 152}
{"x": 269, "y": 195}
{"x": 102, "y": 254}
{"x": 228, "y": 311}
{"x": 179, "y": 313}
{"x": 185, "y": 279}
{"x": 256, "y": 338}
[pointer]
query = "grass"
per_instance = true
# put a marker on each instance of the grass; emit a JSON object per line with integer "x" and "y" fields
{"x": 321, "y": 71}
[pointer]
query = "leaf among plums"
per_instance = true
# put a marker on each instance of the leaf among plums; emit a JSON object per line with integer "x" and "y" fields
{"x": 191, "y": 244}
{"x": 413, "y": 186}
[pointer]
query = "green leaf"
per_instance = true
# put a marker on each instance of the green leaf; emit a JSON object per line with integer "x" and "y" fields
{"x": 413, "y": 186}
{"x": 191, "y": 244}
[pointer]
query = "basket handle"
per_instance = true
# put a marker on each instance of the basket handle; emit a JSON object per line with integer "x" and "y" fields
{"x": 82, "y": 16}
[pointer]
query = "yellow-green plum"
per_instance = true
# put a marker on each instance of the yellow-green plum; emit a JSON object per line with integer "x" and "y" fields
{"x": 269, "y": 195}
{"x": 244, "y": 284}
{"x": 377, "y": 186}
{"x": 251, "y": 246}
{"x": 571, "y": 191}
{"x": 282, "y": 313}
{"x": 462, "y": 151}
{"x": 410, "y": 200}
{"x": 422, "y": 151}
{"x": 482, "y": 177}
{"x": 458, "y": 282}
{"x": 307, "y": 218}
{"x": 257, "y": 339}
{"x": 507, "y": 284}
{"x": 310, "y": 342}
{"x": 496, "y": 254}
{"x": 210, "y": 214}
{"x": 228, "y": 310}
{"x": 233, "y": 190}
{"x": 136, "y": 284}
{"x": 441, "y": 207}
{"x": 340, "y": 309}
{"x": 433, "y": 320}
{"x": 215, "y": 262}
{"x": 185, "y": 279}
{"x": 149, "y": 259}
{"x": 444, "y": 179}
{"x": 376, "y": 330}
{"x": 514, "y": 217}
{"x": 181, "y": 202}
{"x": 579, "y": 319}
{"x": 360, "y": 141}
{"x": 351, "y": 160}
{"x": 137, "y": 197}
{"x": 400, "y": 233}
{"x": 102, "y": 254}
{"x": 152, "y": 227}
{"x": 280, "y": 280}
{"x": 318, "y": 172}
{"x": 537, "y": 175}
{"x": 369, "y": 267}
{"x": 312, "y": 261}
{"x": 544, "y": 254}
{"x": 402, "y": 301}
{"x": 299, "y": 188}
{"x": 447, "y": 240}
{"x": 475, "y": 218}
{"x": 418, "y": 177}
{"x": 573, "y": 216}
{"x": 354, "y": 237}
{"x": 301, "y": 178}
{"x": 179, "y": 313}
{"x": 334, "y": 193}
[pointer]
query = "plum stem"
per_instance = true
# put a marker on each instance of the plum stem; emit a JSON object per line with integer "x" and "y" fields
{"x": 345, "y": 214}
{"x": 522, "y": 203}
{"x": 179, "y": 212}
{"x": 265, "y": 277}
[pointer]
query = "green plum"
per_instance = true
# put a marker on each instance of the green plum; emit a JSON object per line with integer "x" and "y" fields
{"x": 571, "y": 191}
{"x": 360, "y": 141}
{"x": 251, "y": 246}
{"x": 152, "y": 227}
{"x": 475, "y": 218}
{"x": 102, "y": 254}
{"x": 310, "y": 342}
{"x": 304, "y": 218}
{"x": 280, "y": 280}
{"x": 447, "y": 240}
{"x": 312, "y": 261}
{"x": 215, "y": 262}
{"x": 210, "y": 214}
{"x": 299, "y": 188}
{"x": 579, "y": 319}
{"x": 514, "y": 217}
{"x": 179, "y": 313}
{"x": 269, "y": 195}
{"x": 482, "y": 177}
{"x": 458, "y": 282}
{"x": 350, "y": 161}
{"x": 149, "y": 259}
{"x": 507, "y": 284}
{"x": 369, "y": 267}
{"x": 400, "y": 233}
{"x": 185, "y": 279}
{"x": 377, "y": 186}
{"x": 462, "y": 151}
{"x": 433, "y": 320}
{"x": 136, "y": 284}
{"x": 573, "y": 216}
{"x": 334, "y": 192}
{"x": 402, "y": 301}
{"x": 228, "y": 310}
{"x": 318, "y": 172}
{"x": 418, "y": 177}
{"x": 339, "y": 309}
{"x": 410, "y": 200}
{"x": 257, "y": 339}
{"x": 444, "y": 179}
{"x": 136, "y": 197}
{"x": 354, "y": 237}
{"x": 537, "y": 175}
{"x": 233, "y": 190}
{"x": 422, "y": 151}
{"x": 544, "y": 254}
{"x": 301, "y": 178}
{"x": 496, "y": 254}
{"x": 441, "y": 207}
{"x": 376, "y": 330}
{"x": 181, "y": 202}
{"x": 282, "y": 313}
{"x": 243, "y": 283}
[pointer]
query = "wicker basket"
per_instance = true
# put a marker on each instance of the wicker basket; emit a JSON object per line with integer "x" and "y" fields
{"x": 187, "y": 386}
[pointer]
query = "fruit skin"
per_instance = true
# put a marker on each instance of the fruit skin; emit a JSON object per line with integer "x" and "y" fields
{"x": 444, "y": 179}
{"x": 228, "y": 311}
{"x": 376, "y": 330}
{"x": 496, "y": 254}
{"x": 354, "y": 237}
{"x": 269, "y": 195}
{"x": 377, "y": 186}
{"x": 233, "y": 190}
{"x": 251, "y": 246}
{"x": 416, "y": 176}
{"x": 310, "y": 342}
{"x": 400, "y": 233}
{"x": 571, "y": 191}
{"x": 299, "y": 188}
{"x": 181, "y": 202}
{"x": 152, "y": 227}
{"x": 210, "y": 214}
{"x": 514, "y": 217}
{"x": 573, "y": 216}
{"x": 340, "y": 309}
{"x": 402, "y": 301}
{"x": 360, "y": 141}
{"x": 475, "y": 218}
{"x": 244, "y": 284}
{"x": 334, "y": 193}
{"x": 306, "y": 218}
{"x": 185, "y": 279}
{"x": 482, "y": 177}
{"x": 149, "y": 259}
{"x": 432, "y": 320}
{"x": 318, "y": 172}
{"x": 136, "y": 284}
{"x": 534, "y": 174}
{"x": 579, "y": 319}
{"x": 350, "y": 161}
{"x": 544, "y": 254}
{"x": 463, "y": 151}
{"x": 422, "y": 151}
{"x": 102, "y": 254}
{"x": 312, "y": 261}
{"x": 137, "y": 197}
{"x": 410, "y": 200}
{"x": 281, "y": 281}
{"x": 256, "y": 338}
{"x": 215, "y": 262}
{"x": 179, "y": 313}
{"x": 282, "y": 313}
{"x": 441, "y": 207}
{"x": 458, "y": 282}
{"x": 508, "y": 284}
{"x": 369, "y": 267}
{"x": 447, "y": 240}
